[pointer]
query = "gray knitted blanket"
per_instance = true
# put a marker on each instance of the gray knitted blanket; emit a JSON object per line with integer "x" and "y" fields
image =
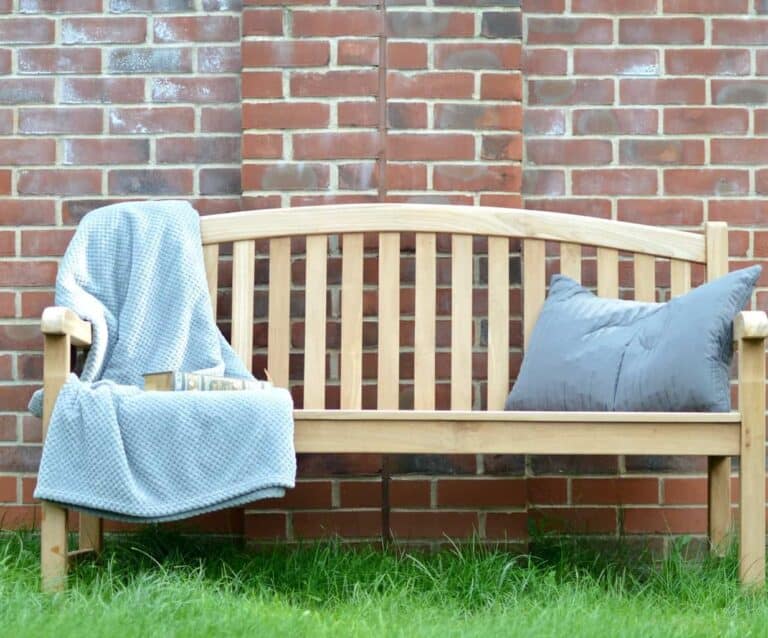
{"x": 136, "y": 272}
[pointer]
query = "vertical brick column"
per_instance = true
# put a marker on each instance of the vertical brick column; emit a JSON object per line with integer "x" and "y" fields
{"x": 652, "y": 112}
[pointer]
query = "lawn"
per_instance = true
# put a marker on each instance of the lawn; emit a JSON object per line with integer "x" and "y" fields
{"x": 156, "y": 584}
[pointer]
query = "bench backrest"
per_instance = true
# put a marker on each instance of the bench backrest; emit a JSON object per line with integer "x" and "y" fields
{"x": 478, "y": 246}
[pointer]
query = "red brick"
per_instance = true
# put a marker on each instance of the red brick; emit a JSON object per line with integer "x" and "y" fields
{"x": 543, "y": 182}
{"x": 685, "y": 491}
{"x": 104, "y": 151}
{"x": 335, "y": 145}
{"x": 6, "y": 121}
{"x": 477, "y": 177}
{"x": 409, "y": 493}
{"x": 762, "y": 62}
{"x": 485, "y": 55}
{"x": 747, "y": 30}
{"x": 430, "y": 85}
{"x": 111, "y": 30}
{"x": 33, "y": 302}
{"x": 25, "y": 152}
{"x": 59, "y": 182}
{"x": 5, "y": 61}
{"x": 739, "y": 91}
{"x": 7, "y": 427}
{"x": 739, "y": 212}
{"x": 278, "y": 177}
{"x": 544, "y": 122}
{"x": 334, "y": 83}
{"x": 27, "y": 273}
{"x": 706, "y": 181}
{"x": 336, "y": 22}
{"x": 575, "y": 520}
{"x": 478, "y": 493}
{"x": 7, "y": 489}
{"x": 539, "y": 61}
{"x": 26, "y": 30}
{"x": 501, "y": 86}
{"x": 667, "y": 520}
{"x": 707, "y": 62}
{"x": 506, "y": 525}
{"x": 761, "y": 182}
{"x": 102, "y": 90}
{"x": 358, "y": 524}
{"x": 22, "y": 517}
{"x": 661, "y": 152}
{"x": 501, "y": 147}
{"x": 705, "y": 6}
{"x": 209, "y": 28}
{"x": 564, "y": 92}
{"x": 433, "y": 524}
{"x": 268, "y": 146}
{"x": 404, "y": 115}
{"x": 285, "y": 115}
{"x": 259, "y": 525}
{"x": 662, "y": 212}
{"x": 285, "y": 53}
{"x": 430, "y": 146}
{"x": 578, "y": 152}
{"x": 739, "y": 151}
{"x": 615, "y": 491}
{"x": 429, "y": 24}
{"x": 661, "y": 31}
{"x": 614, "y": 6}
{"x": 360, "y": 493}
{"x": 547, "y": 491}
{"x": 51, "y": 242}
{"x": 616, "y": 62}
{"x": 478, "y": 116}
{"x": 306, "y": 495}
{"x": 150, "y": 181}
{"x": 7, "y": 243}
{"x": 664, "y": 91}
{"x": 60, "y": 6}
{"x": 58, "y": 61}
{"x": 569, "y": 30}
{"x": 223, "y": 119}
{"x": 221, "y": 181}
{"x": 38, "y": 121}
{"x": 5, "y": 182}
{"x": 198, "y": 150}
{"x": 262, "y": 22}
{"x": 25, "y": 336}
{"x": 615, "y": 122}
{"x": 149, "y": 120}
{"x": 26, "y": 90}
{"x": 543, "y": 6}
{"x": 705, "y": 120}
{"x": 614, "y": 181}
{"x": 358, "y": 113}
{"x": 406, "y": 55}
{"x": 218, "y": 59}
{"x": 358, "y": 51}
{"x": 30, "y": 212}
{"x": 199, "y": 89}
{"x": 262, "y": 84}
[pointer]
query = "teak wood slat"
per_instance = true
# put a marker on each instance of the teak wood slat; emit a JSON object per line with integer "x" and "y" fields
{"x": 534, "y": 284}
{"x": 211, "y": 260}
{"x": 645, "y": 278}
{"x": 679, "y": 277}
{"x": 243, "y": 267}
{"x": 388, "y": 376}
{"x": 425, "y": 316}
{"x": 315, "y": 320}
{"x": 608, "y": 273}
{"x": 352, "y": 322}
{"x": 570, "y": 260}
{"x": 279, "y": 313}
{"x": 461, "y": 322}
{"x": 498, "y": 322}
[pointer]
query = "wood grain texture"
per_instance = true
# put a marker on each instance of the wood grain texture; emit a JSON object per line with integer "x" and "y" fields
{"x": 498, "y": 322}
{"x": 461, "y": 322}
{"x": 425, "y": 327}
{"x": 243, "y": 255}
{"x": 279, "y": 314}
{"x": 570, "y": 260}
{"x": 534, "y": 284}
{"x": 645, "y": 278}
{"x": 388, "y": 377}
{"x": 608, "y": 273}
{"x": 351, "y": 360}
{"x": 211, "y": 259}
{"x": 679, "y": 277}
{"x": 314, "y": 321}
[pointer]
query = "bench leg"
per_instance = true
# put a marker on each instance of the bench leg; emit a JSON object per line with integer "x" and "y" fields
{"x": 53, "y": 547}
{"x": 752, "y": 466}
{"x": 719, "y": 503}
{"x": 91, "y": 533}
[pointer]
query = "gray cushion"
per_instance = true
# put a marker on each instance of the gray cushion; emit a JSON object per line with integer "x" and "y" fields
{"x": 590, "y": 353}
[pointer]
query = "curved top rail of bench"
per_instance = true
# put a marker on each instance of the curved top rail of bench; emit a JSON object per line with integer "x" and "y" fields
{"x": 472, "y": 220}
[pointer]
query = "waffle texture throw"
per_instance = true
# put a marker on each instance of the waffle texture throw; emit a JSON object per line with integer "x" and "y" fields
{"x": 136, "y": 272}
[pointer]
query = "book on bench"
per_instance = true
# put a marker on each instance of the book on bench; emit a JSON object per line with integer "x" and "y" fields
{"x": 175, "y": 380}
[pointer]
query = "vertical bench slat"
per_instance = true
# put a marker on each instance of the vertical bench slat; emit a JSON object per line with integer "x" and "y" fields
{"x": 243, "y": 255}
{"x": 498, "y": 322}
{"x": 608, "y": 273}
{"x": 314, "y": 321}
{"x": 352, "y": 322}
{"x": 388, "y": 376}
{"x": 534, "y": 284}
{"x": 279, "y": 328}
{"x": 570, "y": 260}
{"x": 645, "y": 277}
{"x": 679, "y": 277}
{"x": 211, "y": 259}
{"x": 424, "y": 329}
{"x": 461, "y": 322}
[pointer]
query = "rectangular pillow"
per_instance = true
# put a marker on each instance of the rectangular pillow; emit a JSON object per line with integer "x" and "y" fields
{"x": 589, "y": 353}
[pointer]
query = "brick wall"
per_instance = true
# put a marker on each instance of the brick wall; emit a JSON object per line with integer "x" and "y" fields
{"x": 643, "y": 110}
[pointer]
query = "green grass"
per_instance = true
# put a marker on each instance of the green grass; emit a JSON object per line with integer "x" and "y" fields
{"x": 157, "y": 584}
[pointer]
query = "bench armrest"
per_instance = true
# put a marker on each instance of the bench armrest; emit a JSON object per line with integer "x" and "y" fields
{"x": 750, "y": 324}
{"x": 58, "y": 320}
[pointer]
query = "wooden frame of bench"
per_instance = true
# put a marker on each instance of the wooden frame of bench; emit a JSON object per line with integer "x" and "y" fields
{"x": 459, "y": 430}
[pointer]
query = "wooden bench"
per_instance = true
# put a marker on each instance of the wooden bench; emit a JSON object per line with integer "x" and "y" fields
{"x": 378, "y": 228}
